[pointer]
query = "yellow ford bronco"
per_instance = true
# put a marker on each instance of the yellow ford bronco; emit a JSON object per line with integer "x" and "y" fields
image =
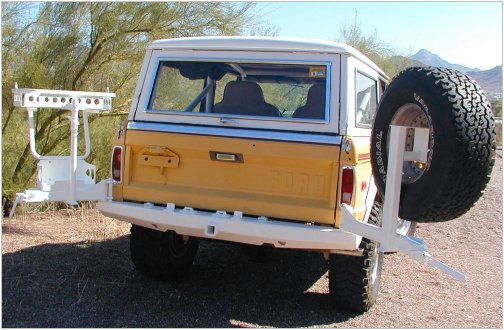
{"x": 284, "y": 143}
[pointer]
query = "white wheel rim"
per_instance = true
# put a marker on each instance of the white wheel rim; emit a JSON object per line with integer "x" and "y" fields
{"x": 403, "y": 226}
{"x": 413, "y": 116}
{"x": 375, "y": 287}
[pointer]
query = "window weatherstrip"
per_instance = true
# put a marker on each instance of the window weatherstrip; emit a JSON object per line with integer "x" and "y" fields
{"x": 237, "y": 133}
{"x": 158, "y": 63}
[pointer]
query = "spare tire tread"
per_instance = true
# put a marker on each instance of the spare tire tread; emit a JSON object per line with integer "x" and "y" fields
{"x": 470, "y": 106}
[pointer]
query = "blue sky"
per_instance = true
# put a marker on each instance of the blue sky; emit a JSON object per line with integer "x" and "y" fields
{"x": 467, "y": 33}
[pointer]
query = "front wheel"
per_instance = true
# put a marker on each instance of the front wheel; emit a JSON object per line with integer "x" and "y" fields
{"x": 161, "y": 255}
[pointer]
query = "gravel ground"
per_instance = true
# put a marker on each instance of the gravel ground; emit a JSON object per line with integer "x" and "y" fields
{"x": 71, "y": 268}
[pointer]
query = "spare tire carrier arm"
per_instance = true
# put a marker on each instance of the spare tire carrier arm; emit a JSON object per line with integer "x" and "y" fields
{"x": 386, "y": 235}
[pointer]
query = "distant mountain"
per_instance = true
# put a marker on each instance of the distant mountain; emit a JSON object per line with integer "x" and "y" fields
{"x": 489, "y": 80}
{"x": 431, "y": 59}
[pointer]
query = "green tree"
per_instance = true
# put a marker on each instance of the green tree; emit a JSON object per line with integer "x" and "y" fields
{"x": 380, "y": 52}
{"x": 89, "y": 46}
{"x": 497, "y": 108}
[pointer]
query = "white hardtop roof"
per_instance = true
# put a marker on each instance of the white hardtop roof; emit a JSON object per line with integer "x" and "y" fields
{"x": 263, "y": 44}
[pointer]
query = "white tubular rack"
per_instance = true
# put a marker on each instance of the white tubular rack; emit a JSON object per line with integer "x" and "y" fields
{"x": 386, "y": 235}
{"x": 63, "y": 178}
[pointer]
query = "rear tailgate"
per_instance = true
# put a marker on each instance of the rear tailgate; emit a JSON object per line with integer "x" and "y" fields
{"x": 277, "y": 179}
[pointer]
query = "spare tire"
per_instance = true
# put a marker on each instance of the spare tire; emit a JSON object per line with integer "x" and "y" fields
{"x": 461, "y": 142}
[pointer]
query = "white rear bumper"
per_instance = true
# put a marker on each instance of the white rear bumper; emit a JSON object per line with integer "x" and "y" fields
{"x": 232, "y": 227}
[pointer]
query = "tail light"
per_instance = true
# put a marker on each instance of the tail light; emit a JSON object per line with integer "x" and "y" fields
{"x": 347, "y": 185}
{"x": 116, "y": 168}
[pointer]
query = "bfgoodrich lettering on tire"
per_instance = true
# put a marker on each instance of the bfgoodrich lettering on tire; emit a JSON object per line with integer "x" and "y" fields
{"x": 461, "y": 143}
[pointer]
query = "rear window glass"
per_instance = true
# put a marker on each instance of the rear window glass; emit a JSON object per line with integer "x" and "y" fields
{"x": 295, "y": 91}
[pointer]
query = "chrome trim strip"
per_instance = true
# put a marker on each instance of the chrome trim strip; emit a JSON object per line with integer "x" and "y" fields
{"x": 238, "y": 116}
{"x": 237, "y": 132}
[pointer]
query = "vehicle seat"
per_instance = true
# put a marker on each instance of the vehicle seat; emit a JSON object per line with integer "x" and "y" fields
{"x": 245, "y": 98}
{"x": 315, "y": 104}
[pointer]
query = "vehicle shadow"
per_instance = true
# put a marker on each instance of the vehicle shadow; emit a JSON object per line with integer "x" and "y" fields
{"x": 94, "y": 284}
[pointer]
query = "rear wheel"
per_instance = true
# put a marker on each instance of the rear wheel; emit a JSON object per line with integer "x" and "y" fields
{"x": 354, "y": 281}
{"x": 161, "y": 255}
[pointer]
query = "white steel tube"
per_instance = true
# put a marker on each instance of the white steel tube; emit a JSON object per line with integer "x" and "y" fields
{"x": 31, "y": 124}
{"x": 33, "y": 146}
{"x": 397, "y": 142}
{"x": 87, "y": 139}
{"x": 109, "y": 183}
{"x": 74, "y": 139}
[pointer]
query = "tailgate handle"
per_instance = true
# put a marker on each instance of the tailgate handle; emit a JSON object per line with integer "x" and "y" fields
{"x": 226, "y": 157}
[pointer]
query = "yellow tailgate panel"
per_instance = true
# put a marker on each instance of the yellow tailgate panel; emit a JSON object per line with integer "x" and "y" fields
{"x": 295, "y": 181}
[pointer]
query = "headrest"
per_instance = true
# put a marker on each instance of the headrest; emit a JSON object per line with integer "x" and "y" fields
{"x": 316, "y": 96}
{"x": 243, "y": 92}
{"x": 201, "y": 70}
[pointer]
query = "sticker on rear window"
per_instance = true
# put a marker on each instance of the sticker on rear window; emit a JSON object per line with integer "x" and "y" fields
{"x": 317, "y": 72}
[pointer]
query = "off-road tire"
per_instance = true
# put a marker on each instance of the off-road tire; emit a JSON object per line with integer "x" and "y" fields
{"x": 161, "y": 255}
{"x": 461, "y": 143}
{"x": 354, "y": 281}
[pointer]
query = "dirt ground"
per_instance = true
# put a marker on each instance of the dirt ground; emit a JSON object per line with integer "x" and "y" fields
{"x": 71, "y": 268}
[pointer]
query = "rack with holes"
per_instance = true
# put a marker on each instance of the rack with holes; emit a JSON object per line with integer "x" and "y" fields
{"x": 63, "y": 178}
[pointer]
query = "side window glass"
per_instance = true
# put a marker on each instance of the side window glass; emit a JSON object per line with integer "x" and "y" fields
{"x": 366, "y": 100}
